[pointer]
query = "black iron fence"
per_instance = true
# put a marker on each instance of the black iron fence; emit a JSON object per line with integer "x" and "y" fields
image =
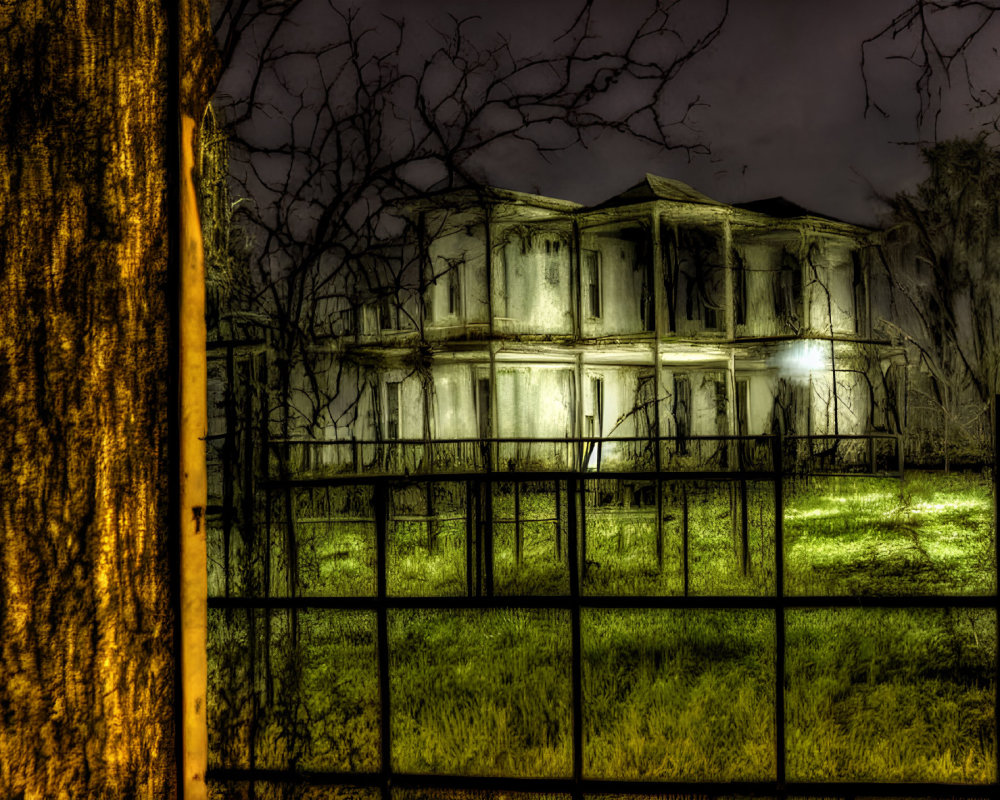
{"x": 456, "y": 483}
{"x": 822, "y": 454}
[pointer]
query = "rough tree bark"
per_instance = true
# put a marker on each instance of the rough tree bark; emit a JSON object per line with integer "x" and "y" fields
{"x": 87, "y": 622}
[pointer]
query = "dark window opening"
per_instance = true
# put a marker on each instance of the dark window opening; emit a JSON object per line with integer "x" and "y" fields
{"x": 597, "y": 404}
{"x": 788, "y": 292}
{"x": 483, "y": 407}
{"x": 682, "y": 412}
{"x": 742, "y": 407}
{"x": 454, "y": 289}
{"x": 860, "y": 295}
{"x": 387, "y": 314}
{"x": 592, "y": 277}
{"x": 739, "y": 290}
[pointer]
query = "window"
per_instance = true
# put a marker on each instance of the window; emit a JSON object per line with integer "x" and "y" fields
{"x": 742, "y": 406}
{"x": 552, "y": 262}
{"x": 455, "y": 286}
{"x": 860, "y": 295}
{"x": 739, "y": 289}
{"x": 682, "y": 411}
{"x": 597, "y": 406}
{"x": 788, "y": 292}
{"x": 387, "y": 311}
{"x": 370, "y": 323}
{"x": 483, "y": 407}
{"x": 392, "y": 421}
{"x": 592, "y": 280}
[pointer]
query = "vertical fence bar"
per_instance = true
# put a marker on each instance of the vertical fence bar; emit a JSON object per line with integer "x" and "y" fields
{"x": 685, "y": 537}
{"x": 659, "y": 524}
{"x": 478, "y": 514}
{"x": 744, "y": 527}
{"x": 582, "y": 529}
{"x": 996, "y": 579}
{"x": 431, "y": 532}
{"x": 469, "y": 522}
{"x": 228, "y": 466}
{"x": 558, "y": 521}
{"x": 779, "y": 614}
{"x": 487, "y": 524}
{"x": 381, "y": 500}
{"x": 518, "y": 542}
{"x": 577, "y": 650}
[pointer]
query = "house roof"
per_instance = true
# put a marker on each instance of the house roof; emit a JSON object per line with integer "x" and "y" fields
{"x": 783, "y": 208}
{"x": 653, "y": 187}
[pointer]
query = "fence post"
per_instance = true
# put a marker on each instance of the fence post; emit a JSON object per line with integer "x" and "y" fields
{"x": 518, "y": 543}
{"x": 582, "y": 527}
{"x": 996, "y": 572}
{"x": 779, "y": 621}
{"x": 381, "y": 498}
{"x": 487, "y": 525}
{"x": 577, "y": 650}
{"x": 744, "y": 527}
{"x": 558, "y": 520}
{"x": 468, "y": 539}
{"x": 684, "y": 536}
{"x": 659, "y": 525}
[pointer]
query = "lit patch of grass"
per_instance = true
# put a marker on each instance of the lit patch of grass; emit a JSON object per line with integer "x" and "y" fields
{"x": 931, "y": 534}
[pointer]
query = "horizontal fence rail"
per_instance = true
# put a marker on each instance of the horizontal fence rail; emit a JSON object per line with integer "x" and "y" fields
{"x": 389, "y": 475}
{"x": 819, "y": 454}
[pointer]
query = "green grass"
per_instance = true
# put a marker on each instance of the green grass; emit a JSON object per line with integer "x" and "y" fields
{"x": 931, "y": 534}
{"x": 685, "y": 694}
{"x": 891, "y": 694}
{"x": 901, "y": 694}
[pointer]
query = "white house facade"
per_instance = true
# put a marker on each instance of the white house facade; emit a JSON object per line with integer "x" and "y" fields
{"x": 659, "y": 313}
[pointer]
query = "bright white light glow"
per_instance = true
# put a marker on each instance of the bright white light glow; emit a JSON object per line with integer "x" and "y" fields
{"x": 803, "y": 357}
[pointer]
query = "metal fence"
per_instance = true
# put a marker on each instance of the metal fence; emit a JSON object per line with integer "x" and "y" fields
{"x": 573, "y": 469}
{"x": 825, "y": 454}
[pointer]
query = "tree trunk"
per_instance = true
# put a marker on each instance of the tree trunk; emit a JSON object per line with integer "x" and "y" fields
{"x": 87, "y": 620}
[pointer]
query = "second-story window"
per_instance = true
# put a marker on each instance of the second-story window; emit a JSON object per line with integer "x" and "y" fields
{"x": 739, "y": 289}
{"x": 592, "y": 279}
{"x": 454, "y": 279}
{"x": 552, "y": 262}
{"x": 387, "y": 311}
{"x": 860, "y": 295}
{"x": 788, "y": 292}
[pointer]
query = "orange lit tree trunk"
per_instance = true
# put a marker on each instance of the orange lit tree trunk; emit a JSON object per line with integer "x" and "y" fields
{"x": 87, "y": 597}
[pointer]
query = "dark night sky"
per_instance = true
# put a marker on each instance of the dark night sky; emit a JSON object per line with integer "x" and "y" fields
{"x": 783, "y": 98}
{"x": 785, "y": 107}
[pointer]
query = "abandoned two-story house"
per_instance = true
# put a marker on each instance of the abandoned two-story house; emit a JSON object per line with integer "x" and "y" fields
{"x": 659, "y": 312}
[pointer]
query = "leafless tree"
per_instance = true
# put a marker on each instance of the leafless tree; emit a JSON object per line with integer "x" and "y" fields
{"x": 942, "y": 267}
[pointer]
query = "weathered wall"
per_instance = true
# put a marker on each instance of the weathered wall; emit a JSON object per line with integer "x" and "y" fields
{"x": 622, "y": 275}
{"x": 457, "y": 250}
{"x": 533, "y": 279}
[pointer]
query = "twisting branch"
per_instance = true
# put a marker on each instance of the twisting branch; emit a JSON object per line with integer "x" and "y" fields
{"x": 941, "y": 41}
